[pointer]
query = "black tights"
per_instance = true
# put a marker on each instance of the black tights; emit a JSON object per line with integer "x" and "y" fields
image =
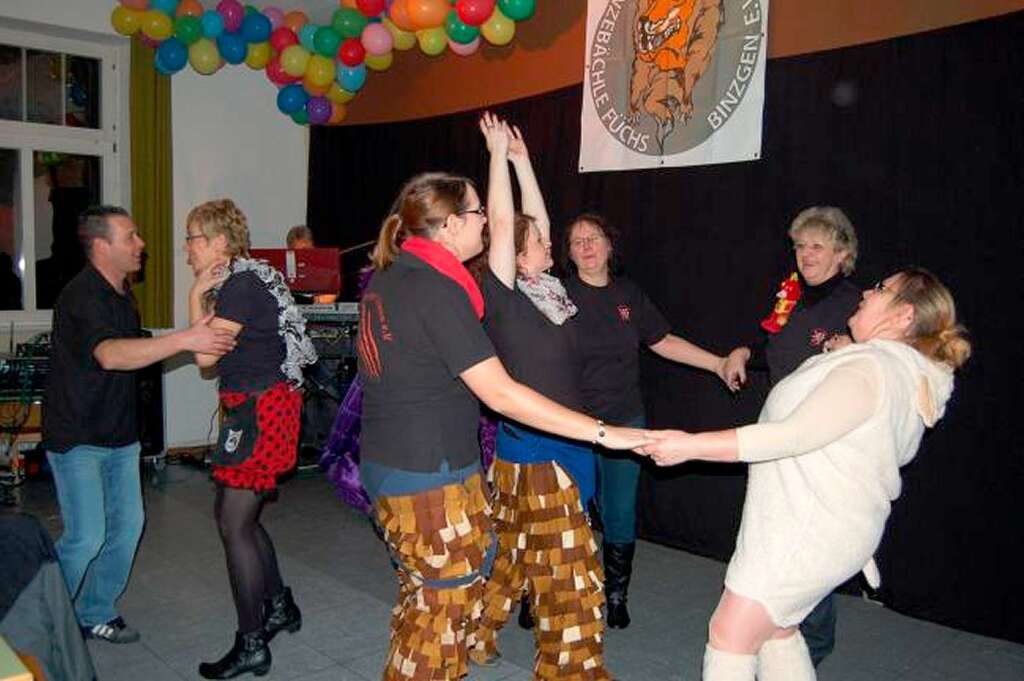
{"x": 252, "y": 563}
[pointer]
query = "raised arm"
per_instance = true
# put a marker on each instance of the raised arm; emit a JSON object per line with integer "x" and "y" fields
{"x": 501, "y": 254}
{"x": 206, "y": 280}
{"x": 533, "y": 199}
{"x": 677, "y": 349}
{"x": 127, "y": 354}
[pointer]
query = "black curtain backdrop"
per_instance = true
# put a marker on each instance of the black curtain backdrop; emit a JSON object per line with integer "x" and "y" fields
{"x": 920, "y": 140}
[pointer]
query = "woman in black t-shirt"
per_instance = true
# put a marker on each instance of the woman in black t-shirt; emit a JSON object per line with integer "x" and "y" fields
{"x": 260, "y": 402}
{"x": 617, "y": 319}
{"x": 425, "y": 359}
{"x": 541, "y": 483}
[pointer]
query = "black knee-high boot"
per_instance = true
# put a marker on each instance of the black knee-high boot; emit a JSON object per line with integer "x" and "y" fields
{"x": 618, "y": 568}
{"x": 280, "y": 614}
{"x": 249, "y": 654}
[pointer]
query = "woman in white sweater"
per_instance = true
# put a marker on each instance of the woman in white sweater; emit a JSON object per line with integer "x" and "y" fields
{"x": 824, "y": 469}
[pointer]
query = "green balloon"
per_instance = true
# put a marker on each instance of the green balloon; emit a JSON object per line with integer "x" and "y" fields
{"x": 349, "y": 22}
{"x": 326, "y": 41}
{"x": 301, "y": 116}
{"x": 249, "y": 9}
{"x": 517, "y": 10}
{"x": 459, "y": 31}
{"x": 188, "y": 29}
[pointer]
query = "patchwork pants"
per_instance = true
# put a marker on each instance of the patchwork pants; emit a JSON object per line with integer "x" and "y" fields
{"x": 545, "y": 547}
{"x": 441, "y": 542}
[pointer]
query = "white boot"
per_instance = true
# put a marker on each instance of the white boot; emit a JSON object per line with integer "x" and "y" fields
{"x": 722, "y": 666}
{"x": 785, "y": 659}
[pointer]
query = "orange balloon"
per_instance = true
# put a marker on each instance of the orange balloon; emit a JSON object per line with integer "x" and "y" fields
{"x": 295, "y": 20}
{"x": 190, "y": 8}
{"x": 349, "y": 3}
{"x": 400, "y": 16}
{"x": 313, "y": 89}
{"x": 338, "y": 113}
{"x": 427, "y": 13}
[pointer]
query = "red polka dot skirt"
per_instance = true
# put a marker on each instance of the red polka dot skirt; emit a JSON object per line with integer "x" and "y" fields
{"x": 278, "y": 410}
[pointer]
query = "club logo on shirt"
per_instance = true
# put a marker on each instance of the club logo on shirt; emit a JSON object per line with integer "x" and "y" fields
{"x": 818, "y": 336}
{"x": 623, "y": 313}
{"x": 231, "y": 442}
{"x": 371, "y": 310}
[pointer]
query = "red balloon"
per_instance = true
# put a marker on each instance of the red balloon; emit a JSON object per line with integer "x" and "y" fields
{"x": 371, "y": 8}
{"x": 352, "y": 52}
{"x": 475, "y": 12}
{"x": 277, "y": 74}
{"x": 282, "y": 38}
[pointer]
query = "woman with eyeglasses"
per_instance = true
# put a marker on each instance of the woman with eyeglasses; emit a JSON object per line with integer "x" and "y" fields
{"x": 259, "y": 433}
{"x": 809, "y": 318}
{"x": 541, "y": 483}
{"x": 824, "y": 470}
{"x": 425, "y": 360}
{"x": 616, "y": 320}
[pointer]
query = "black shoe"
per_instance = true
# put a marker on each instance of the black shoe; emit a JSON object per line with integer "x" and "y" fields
{"x": 280, "y": 613}
{"x": 249, "y": 654}
{"x": 525, "y": 616}
{"x": 618, "y": 568}
{"x": 114, "y": 631}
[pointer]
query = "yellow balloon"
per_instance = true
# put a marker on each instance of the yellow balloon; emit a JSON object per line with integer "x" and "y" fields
{"x": 380, "y": 62}
{"x": 315, "y": 90}
{"x": 320, "y": 70}
{"x": 157, "y": 25}
{"x": 294, "y": 60}
{"x": 433, "y": 41}
{"x": 338, "y": 95}
{"x": 204, "y": 57}
{"x": 404, "y": 40}
{"x": 125, "y": 21}
{"x": 258, "y": 55}
{"x": 499, "y": 29}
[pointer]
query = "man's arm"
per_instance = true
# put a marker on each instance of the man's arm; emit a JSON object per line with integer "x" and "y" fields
{"x": 127, "y": 354}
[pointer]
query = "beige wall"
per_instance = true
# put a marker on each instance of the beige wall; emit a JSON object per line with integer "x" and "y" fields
{"x": 547, "y": 52}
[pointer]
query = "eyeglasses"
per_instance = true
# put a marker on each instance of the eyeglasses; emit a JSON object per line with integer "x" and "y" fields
{"x": 481, "y": 210}
{"x": 583, "y": 242}
{"x": 190, "y": 237}
{"x": 880, "y": 287}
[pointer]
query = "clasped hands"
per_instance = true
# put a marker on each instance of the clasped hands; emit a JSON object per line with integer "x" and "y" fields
{"x": 664, "y": 447}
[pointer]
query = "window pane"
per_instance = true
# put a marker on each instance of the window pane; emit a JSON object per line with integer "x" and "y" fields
{"x": 11, "y": 267}
{"x": 83, "y": 92}
{"x": 44, "y": 84}
{"x": 10, "y": 83}
{"x": 65, "y": 185}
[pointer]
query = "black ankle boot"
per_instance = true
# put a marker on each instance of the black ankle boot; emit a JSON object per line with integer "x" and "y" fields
{"x": 525, "y": 616}
{"x": 618, "y": 568}
{"x": 249, "y": 654}
{"x": 280, "y": 613}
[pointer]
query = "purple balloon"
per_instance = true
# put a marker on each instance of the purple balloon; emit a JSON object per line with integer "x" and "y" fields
{"x": 319, "y": 110}
{"x": 275, "y": 15}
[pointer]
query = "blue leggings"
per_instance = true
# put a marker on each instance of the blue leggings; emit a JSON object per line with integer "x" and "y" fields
{"x": 618, "y": 475}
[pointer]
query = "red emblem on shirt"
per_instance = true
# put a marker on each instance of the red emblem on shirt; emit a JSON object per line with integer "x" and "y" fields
{"x": 818, "y": 336}
{"x": 623, "y": 313}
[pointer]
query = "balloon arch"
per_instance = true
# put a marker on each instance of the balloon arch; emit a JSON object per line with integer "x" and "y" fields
{"x": 318, "y": 69}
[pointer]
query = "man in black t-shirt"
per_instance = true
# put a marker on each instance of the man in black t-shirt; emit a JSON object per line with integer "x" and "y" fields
{"x": 90, "y": 420}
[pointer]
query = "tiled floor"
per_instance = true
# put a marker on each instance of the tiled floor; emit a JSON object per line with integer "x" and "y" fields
{"x": 179, "y": 598}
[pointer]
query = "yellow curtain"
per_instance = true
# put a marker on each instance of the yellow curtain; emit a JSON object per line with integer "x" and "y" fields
{"x": 150, "y": 104}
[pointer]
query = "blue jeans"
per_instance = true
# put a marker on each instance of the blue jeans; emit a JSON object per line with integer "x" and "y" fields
{"x": 618, "y": 476}
{"x": 100, "y": 498}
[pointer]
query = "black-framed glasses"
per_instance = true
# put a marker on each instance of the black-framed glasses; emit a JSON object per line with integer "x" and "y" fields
{"x": 190, "y": 237}
{"x": 481, "y": 211}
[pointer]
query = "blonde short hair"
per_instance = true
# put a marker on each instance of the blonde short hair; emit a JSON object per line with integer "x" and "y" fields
{"x": 832, "y": 222}
{"x": 222, "y": 217}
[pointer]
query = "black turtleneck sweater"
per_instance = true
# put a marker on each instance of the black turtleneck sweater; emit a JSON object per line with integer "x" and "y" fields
{"x": 820, "y": 313}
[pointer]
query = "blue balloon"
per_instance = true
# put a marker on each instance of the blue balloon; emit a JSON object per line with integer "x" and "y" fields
{"x": 307, "y": 35}
{"x": 165, "y": 6}
{"x": 232, "y": 47}
{"x": 291, "y": 98}
{"x": 172, "y": 54}
{"x": 213, "y": 24}
{"x": 255, "y": 28}
{"x": 160, "y": 68}
{"x": 351, "y": 78}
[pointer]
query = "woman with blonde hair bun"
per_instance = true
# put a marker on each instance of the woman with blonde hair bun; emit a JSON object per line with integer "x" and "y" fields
{"x": 824, "y": 471}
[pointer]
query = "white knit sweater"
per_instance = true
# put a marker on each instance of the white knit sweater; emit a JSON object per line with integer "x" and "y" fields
{"x": 825, "y": 460}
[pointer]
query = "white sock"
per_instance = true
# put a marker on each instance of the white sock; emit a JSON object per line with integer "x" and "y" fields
{"x": 785, "y": 659}
{"x": 722, "y": 666}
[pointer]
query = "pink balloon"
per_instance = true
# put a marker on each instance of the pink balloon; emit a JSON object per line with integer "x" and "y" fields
{"x": 136, "y": 4}
{"x": 464, "y": 49}
{"x": 233, "y": 13}
{"x": 377, "y": 39}
{"x": 147, "y": 41}
{"x": 275, "y": 15}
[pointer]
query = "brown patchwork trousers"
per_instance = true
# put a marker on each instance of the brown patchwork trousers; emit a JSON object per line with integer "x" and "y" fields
{"x": 545, "y": 547}
{"x": 440, "y": 540}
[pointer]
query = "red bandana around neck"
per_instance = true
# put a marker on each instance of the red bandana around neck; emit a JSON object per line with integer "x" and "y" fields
{"x": 442, "y": 260}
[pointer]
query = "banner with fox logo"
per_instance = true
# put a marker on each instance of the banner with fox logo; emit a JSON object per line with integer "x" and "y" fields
{"x": 673, "y": 83}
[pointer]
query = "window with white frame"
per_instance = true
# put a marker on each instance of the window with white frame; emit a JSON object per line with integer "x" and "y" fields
{"x": 61, "y": 122}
